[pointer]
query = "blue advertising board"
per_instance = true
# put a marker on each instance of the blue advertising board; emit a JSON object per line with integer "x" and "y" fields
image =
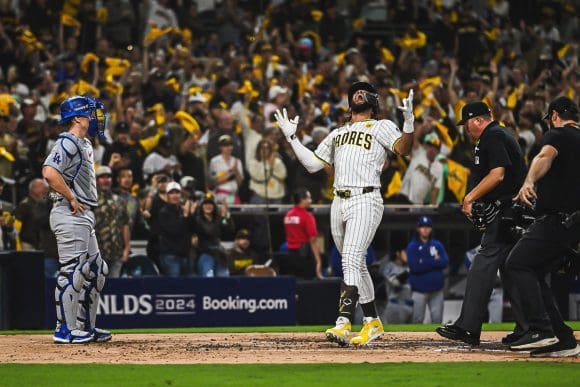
{"x": 152, "y": 302}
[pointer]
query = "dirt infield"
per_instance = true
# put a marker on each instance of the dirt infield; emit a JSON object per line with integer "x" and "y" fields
{"x": 196, "y": 348}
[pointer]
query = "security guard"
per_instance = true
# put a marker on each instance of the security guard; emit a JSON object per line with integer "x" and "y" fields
{"x": 553, "y": 183}
{"x": 499, "y": 171}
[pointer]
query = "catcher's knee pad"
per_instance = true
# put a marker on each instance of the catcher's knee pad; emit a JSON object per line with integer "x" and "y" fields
{"x": 98, "y": 272}
{"x": 102, "y": 269}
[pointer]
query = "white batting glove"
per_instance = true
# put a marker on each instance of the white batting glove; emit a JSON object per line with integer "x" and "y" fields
{"x": 287, "y": 126}
{"x": 407, "y": 110}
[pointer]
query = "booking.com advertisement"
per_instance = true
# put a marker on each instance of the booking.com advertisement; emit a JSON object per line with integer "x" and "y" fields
{"x": 189, "y": 302}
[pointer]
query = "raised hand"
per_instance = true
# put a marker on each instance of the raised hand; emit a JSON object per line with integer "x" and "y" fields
{"x": 286, "y": 125}
{"x": 407, "y": 110}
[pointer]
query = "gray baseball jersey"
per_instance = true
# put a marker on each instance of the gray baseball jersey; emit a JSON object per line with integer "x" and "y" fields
{"x": 73, "y": 158}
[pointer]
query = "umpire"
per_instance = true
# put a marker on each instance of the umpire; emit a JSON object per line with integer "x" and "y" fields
{"x": 553, "y": 182}
{"x": 499, "y": 171}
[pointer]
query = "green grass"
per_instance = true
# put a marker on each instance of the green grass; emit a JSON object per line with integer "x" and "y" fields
{"x": 403, "y": 374}
{"x": 575, "y": 325}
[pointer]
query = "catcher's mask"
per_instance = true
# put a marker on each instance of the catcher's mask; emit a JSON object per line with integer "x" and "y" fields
{"x": 83, "y": 106}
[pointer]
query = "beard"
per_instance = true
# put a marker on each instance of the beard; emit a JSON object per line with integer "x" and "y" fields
{"x": 360, "y": 107}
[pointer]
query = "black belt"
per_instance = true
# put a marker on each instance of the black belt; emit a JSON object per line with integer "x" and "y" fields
{"x": 347, "y": 193}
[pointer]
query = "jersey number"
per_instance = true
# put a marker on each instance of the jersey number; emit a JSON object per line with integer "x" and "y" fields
{"x": 56, "y": 158}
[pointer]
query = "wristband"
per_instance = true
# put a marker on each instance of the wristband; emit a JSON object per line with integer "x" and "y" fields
{"x": 408, "y": 127}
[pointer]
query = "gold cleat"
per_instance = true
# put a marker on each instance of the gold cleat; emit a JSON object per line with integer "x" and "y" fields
{"x": 372, "y": 329}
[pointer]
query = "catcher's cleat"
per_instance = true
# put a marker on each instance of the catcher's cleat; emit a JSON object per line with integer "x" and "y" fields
{"x": 372, "y": 329}
{"x": 101, "y": 335}
{"x": 61, "y": 336}
{"x": 78, "y": 337}
{"x": 339, "y": 333}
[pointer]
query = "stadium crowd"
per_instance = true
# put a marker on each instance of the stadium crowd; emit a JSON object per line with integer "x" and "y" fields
{"x": 190, "y": 88}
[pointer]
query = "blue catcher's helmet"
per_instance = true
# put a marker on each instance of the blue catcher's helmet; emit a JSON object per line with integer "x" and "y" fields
{"x": 82, "y": 106}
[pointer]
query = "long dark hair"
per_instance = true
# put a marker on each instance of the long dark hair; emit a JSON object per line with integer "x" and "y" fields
{"x": 263, "y": 142}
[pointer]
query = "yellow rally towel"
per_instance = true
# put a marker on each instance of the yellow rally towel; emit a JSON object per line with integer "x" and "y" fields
{"x": 83, "y": 87}
{"x": 387, "y": 55}
{"x": 149, "y": 143}
{"x": 394, "y": 186}
{"x": 443, "y": 132}
{"x": 87, "y": 60}
{"x": 187, "y": 121}
{"x": 457, "y": 179}
{"x": 70, "y": 21}
{"x": 159, "y": 113}
{"x": 7, "y": 155}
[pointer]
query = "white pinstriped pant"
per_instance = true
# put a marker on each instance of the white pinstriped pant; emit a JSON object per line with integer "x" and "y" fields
{"x": 353, "y": 223}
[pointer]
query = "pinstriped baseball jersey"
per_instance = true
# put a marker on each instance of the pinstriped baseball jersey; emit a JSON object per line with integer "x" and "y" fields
{"x": 358, "y": 151}
{"x": 73, "y": 158}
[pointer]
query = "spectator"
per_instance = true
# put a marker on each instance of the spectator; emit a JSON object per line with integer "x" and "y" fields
{"x": 267, "y": 174}
{"x": 303, "y": 259}
{"x": 211, "y": 224}
{"x": 225, "y": 127}
{"x": 424, "y": 177}
{"x": 111, "y": 224}
{"x": 175, "y": 229}
{"x": 124, "y": 180}
{"x": 35, "y": 234}
{"x": 241, "y": 255}
{"x": 226, "y": 172}
{"x": 161, "y": 160}
{"x": 427, "y": 260}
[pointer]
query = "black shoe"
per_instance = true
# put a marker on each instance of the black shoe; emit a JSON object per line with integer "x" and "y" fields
{"x": 533, "y": 340}
{"x": 560, "y": 349}
{"x": 454, "y": 332}
{"x": 511, "y": 338}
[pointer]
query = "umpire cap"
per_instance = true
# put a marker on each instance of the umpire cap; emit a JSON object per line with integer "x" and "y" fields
{"x": 473, "y": 109}
{"x": 563, "y": 105}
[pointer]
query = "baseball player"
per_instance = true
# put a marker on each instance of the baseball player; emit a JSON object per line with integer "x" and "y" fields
{"x": 69, "y": 171}
{"x": 357, "y": 151}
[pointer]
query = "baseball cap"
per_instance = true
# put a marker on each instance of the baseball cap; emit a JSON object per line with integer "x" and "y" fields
{"x": 196, "y": 97}
{"x": 121, "y": 127}
{"x": 187, "y": 182}
{"x": 432, "y": 139}
{"x": 173, "y": 186}
{"x": 103, "y": 170}
{"x": 275, "y": 90}
{"x": 473, "y": 109}
{"x": 424, "y": 221}
{"x": 561, "y": 105}
{"x": 243, "y": 234}
{"x": 225, "y": 139}
{"x": 28, "y": 102}
{"x": 208, "y": 198}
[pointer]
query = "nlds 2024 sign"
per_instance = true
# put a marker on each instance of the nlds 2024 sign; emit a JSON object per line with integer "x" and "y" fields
{"x": 182, "y": 302}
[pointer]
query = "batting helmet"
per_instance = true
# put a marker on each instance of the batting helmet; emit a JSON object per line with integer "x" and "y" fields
{"x": 82, "y": 106}
{"x": 371, "y": 97}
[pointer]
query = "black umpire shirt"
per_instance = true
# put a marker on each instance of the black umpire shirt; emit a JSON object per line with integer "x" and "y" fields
{"x": 559, "y": 189}
{"x": 498, "y": 148}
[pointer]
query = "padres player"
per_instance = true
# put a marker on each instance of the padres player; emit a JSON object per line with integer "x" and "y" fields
{"x": 357, "y": 151}
{"x": 70, "y": 173}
